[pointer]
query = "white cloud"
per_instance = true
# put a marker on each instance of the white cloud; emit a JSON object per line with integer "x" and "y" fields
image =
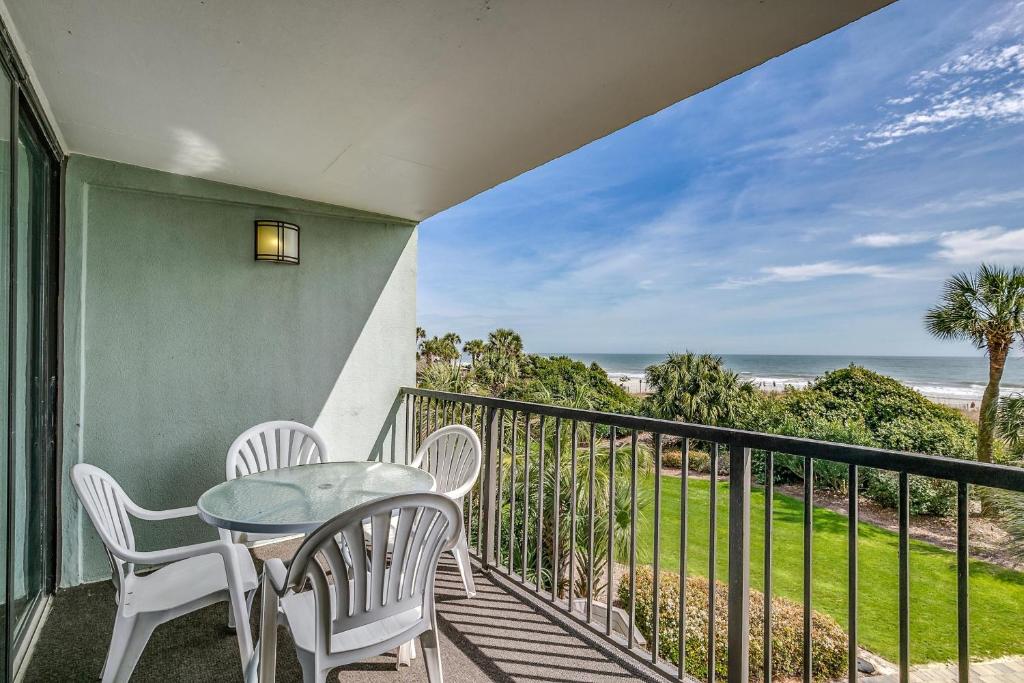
{"x": 809, "y": 271}
{"x": 881, "y": 240}
{"x": 992, "y": 244}
{"x": 964, "y": 200}
{"x": 980, "y": 83}
{"x": 1000, "y": 107}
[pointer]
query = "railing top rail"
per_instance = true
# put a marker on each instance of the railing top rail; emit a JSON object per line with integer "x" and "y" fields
{"x": 935, "y": 466}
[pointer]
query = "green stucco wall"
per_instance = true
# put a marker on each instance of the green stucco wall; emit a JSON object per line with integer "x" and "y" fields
{"x": 176, "y": 340}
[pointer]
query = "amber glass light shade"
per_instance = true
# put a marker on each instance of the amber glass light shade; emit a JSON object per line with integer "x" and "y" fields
{"x": 277, "y": 242}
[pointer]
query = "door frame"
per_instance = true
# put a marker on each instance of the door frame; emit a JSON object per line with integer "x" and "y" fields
{"x": 25, "y": 102}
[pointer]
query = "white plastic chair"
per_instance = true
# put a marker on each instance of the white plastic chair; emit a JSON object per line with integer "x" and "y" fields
{"x": 452, "y": 455}
{"x": 192, "y": 576}
{"x": 268, "y": 446}
{"x": 373, "y": 600}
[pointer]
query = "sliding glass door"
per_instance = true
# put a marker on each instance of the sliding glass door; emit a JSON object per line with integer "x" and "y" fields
{"x": 5, "y": 346}
{"x": 29, "y": 331}
{"x": 33, "y": 375}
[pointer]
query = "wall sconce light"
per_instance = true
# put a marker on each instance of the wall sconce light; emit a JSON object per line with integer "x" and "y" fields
{"x": 277, "y": 242}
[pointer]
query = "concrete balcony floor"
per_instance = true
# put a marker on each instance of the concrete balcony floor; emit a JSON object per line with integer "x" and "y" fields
{"x": 500, "y": 635}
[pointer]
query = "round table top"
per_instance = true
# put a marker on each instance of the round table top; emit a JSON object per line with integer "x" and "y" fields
{"x": 300, "y": 499}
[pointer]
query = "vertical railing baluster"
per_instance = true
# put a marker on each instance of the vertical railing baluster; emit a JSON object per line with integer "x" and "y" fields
{"x": 539, "y": 550}
{"x": 419, "y": 423}
{"x": 412, "y": 432}
{"x": 610, "y": 569}
{"x": 656, "y": 610}
{"x": 572, "y": 514}
{"x": 684, "y": 479}
{"x": 424, "y": 429}
{"x": 480, "y": 488}
{"x": 526, "y": 496}
{"x": 632, "y": 538}
{"x": 489, "y": 519}
{"x": 556, "y": 558}
{"x": 489, "y": 515}
{"x": 769, "y": 505}
{"x": 904, "y": 593}
{"x": 853, "y": 517}
{"x": 590, "y": 523}
{"x": 512, "y": 495}
{"x": 499, "y": 497}
{"x": 712, "y": 557}
{"x": 468, "y": 500}
{"x": 462, "y": 414}
{"x": 808, "y": 565}
{"x": 739, "y": 564}
{"x": 409, "y": 401}
{"x": 962, "y": 587}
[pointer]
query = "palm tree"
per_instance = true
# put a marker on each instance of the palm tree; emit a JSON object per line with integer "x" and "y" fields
{"x": 573, "y": 541}
{"x": 447, "y": 377}
{"x": 450, "y": 348}
{"x": 694, "y": 388}
{"x": 475, "y": 348}
{"x": 1010, "y": 422}
{"x": 987, "y": 309}
{"x": 506, "y": 342}
{"x": 502, "y": 360}
{"x": 421, "y": 334}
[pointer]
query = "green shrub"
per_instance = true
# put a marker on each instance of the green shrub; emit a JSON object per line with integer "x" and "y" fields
{"x": 927, "y": 496}
{"x": 828, "y": 474}
{"x": 856, "y": 406}
{"x": 672, "y": 458}
{"x": 828, "y": 643}
{"x": 700, "y": 461}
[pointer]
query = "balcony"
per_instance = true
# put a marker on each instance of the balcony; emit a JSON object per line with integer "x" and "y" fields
{"x": 520, "y": 525}
{"x": 500, "y": 635}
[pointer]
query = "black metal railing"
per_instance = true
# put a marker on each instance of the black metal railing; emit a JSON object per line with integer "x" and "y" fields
{"x": 505, "y": 516}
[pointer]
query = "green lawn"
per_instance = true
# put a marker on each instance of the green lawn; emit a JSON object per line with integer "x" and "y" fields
{"x": 996, "y": 600}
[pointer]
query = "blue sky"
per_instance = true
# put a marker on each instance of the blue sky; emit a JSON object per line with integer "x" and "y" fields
{"x": 811, "y": 205}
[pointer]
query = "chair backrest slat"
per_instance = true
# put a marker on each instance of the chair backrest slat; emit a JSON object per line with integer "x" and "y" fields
{"x": 382, "y": 569}
{"x": 452, "y": 455}
{"x": 272, "y": 445}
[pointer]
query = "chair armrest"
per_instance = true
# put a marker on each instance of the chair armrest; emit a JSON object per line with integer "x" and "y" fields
{"x": 156, "y": 515}
{"x": 154, "y": 557}
{"x": 277, "y": 573}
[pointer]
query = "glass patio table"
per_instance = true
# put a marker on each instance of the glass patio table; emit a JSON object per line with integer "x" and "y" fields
{"x": 299, "y": 499}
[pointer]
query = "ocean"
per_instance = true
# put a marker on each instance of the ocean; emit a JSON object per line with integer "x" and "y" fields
{"x": 951, "y": 379}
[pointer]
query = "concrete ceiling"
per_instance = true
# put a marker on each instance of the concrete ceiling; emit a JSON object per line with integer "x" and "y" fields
{"x": 399, "y": 107}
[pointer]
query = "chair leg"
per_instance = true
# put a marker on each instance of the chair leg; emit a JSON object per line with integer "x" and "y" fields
{"x": 129, "y": 640}
{"x": 250, "y": 596}
{"x": 310, "y": 672}
{"x": 404, "y": 655}
{"x": 461, "y": 552}
{"x": 432, "y": 656}
{"x": 238, "y": 602}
